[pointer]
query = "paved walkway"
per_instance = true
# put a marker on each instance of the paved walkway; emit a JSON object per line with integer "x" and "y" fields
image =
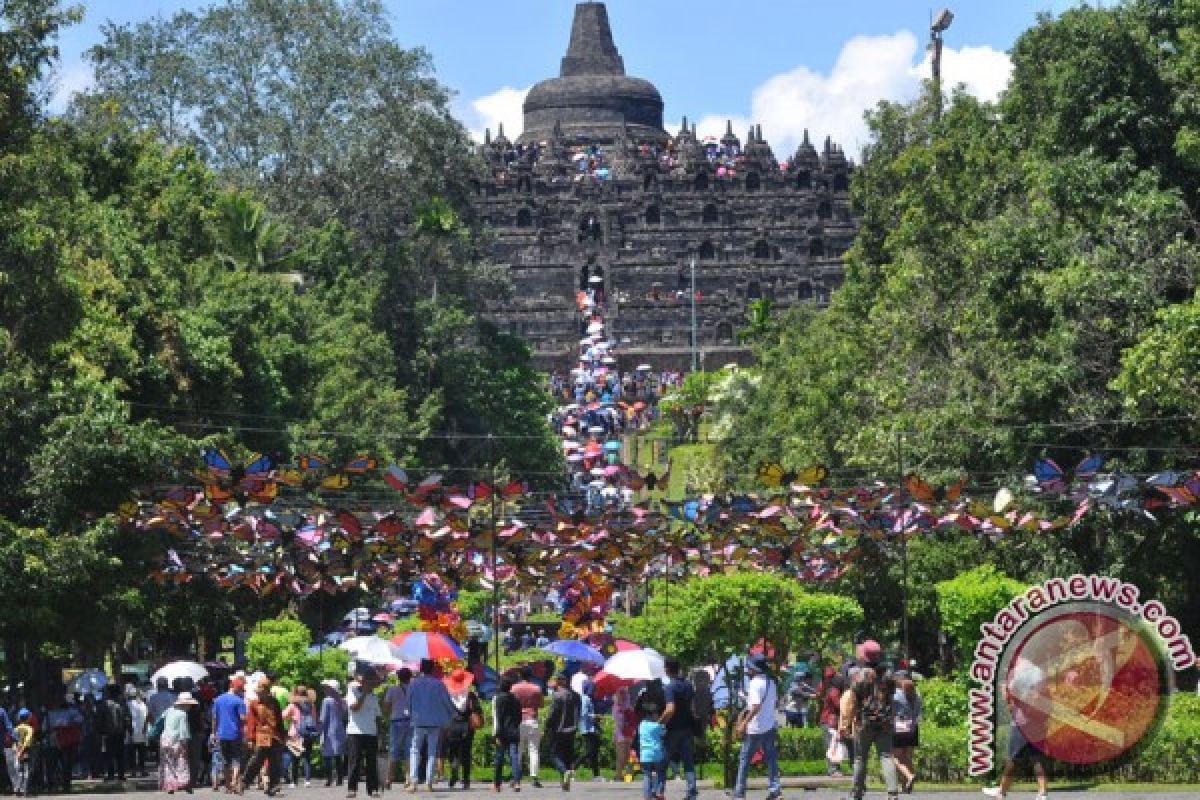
{"x": 631, "y": 791}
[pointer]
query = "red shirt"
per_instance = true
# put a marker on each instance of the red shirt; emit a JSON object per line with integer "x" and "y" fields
{"x": 830, "y": 707}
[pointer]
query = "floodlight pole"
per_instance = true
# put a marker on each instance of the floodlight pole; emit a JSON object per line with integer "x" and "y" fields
{"x": 937, "y": 27}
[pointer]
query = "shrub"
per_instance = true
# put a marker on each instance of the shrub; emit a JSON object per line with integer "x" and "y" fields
{"x": 944, "y": 702}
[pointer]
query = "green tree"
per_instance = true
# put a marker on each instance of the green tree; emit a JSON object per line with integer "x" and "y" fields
{"x": 709, "y": 620}
{"x": 971, "y": 599}
{"x": 281, "y": 646}
{"x": 28, "y": 29}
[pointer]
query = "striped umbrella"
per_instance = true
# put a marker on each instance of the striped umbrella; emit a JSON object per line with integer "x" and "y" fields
{"x": 415, "y": 646}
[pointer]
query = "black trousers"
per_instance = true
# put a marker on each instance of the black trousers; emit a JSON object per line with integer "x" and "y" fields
{"x": 591, "y": 753}
{"x": 270, "y": 757}
{"x": 458, "y": 753}
{"x": 562, "y": 748}
{"x": 360, "y": 747}
{"x": 114, "y": 756}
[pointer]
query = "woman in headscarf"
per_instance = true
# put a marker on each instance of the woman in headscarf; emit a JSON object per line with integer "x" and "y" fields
{"x": 331, "y": 723}
{"x": 460, "y": 733}
{"x": 624, "y": 728}
{"x": 173, "y": 771}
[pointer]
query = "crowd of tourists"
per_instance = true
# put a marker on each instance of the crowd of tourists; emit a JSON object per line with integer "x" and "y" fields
{"x": 255, "y": 733}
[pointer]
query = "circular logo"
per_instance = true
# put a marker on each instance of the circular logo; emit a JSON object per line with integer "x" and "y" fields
{"x": 1085, "y": 684}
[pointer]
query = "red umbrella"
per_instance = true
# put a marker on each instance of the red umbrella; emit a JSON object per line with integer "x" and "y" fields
{"x": 625, "y": 644}
{"x": 607, "y": 684}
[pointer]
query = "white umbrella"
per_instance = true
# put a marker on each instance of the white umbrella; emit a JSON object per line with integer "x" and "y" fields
{"x": 371, "y": 649}
{"x": 180, "y": 669}
{"x": 90, "y": 681}
{"x": 636, "y": 665}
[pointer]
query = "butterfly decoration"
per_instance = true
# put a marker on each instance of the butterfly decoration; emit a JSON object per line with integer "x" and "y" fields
{"x": 929, "y": 494}
{"x": 1049, "y": 477}
{"x": 772, "y": 475}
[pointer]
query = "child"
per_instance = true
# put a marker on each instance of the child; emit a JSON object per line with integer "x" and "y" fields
{"x": 23, "y": 734}
{"x": 650, "y": 753}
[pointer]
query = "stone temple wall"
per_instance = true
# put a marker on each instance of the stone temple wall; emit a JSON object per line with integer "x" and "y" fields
{"x": 595, "y": 193}
{"x": 764, "y": 231}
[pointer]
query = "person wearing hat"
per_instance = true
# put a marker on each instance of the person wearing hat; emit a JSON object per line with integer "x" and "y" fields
{"x": 362, "y": 731}
{"x": 759, "y": 723}
{"x": 173, "y": 770}
{"x": 874, "y": 701}
{"x": 331, "y": 720}
{"x": 562, "y": 724}
{"x": 460, "y": 731}
{"x": 23, "y": 749}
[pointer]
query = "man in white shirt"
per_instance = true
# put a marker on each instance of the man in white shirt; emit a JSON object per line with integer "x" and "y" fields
{"x": 362, "y": 741}
{"x": 762, "y": 699}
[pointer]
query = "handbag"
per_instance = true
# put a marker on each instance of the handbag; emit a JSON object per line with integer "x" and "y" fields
{"x": 837, "y": 751}
{"x": 156, "y": 730}
{"x": 296, "y": 747}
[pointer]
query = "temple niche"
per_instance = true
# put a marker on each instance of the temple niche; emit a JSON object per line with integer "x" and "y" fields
{"x": 595, "y": 192}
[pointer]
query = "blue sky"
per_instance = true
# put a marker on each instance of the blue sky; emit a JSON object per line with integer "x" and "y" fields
{"x": 786, "y": 64}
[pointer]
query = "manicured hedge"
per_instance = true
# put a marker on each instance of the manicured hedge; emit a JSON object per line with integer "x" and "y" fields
{"x": 1171, "y": 757}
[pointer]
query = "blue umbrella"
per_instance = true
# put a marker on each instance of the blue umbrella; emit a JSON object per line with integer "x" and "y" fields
{"x": 576, "y": 651}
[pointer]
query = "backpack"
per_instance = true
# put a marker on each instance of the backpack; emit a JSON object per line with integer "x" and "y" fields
{"x": 110, "y": 721}
{"x": 875, "y": 699}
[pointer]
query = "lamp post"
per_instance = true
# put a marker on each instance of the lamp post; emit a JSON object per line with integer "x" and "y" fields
{"x": 695, "y": 364}
{"x": 936, "y": 28}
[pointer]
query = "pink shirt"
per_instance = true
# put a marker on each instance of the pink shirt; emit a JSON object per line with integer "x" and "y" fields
{"x": 531, "y": 699}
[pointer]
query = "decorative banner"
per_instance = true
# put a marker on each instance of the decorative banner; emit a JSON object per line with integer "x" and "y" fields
{"x": 247, "y": 527}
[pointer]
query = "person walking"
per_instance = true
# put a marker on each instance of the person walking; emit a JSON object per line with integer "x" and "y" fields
{"x": 302, "y": 732}
{"x": 173, "y": 771}
{"x": 652, "y": 754}
{"x": 681, "y": 725}
{"x": 847, "y": 731}
{"x": 589, "y": 731}
{"x": 506, "y": 730}
{"x": 331, "y": 721}
{"x": 531, "y": 698}
{"x": 396, "y": 710}
{"x": 830, "y": 696}
{"x": 907, "y": 703}
{"x": 265, "y": 733}
{"x": 625, "y": 727}
{"x": 761, "y": 730}
{"x": 1025, "y": 693}
{"x": 228, "y": 723}
{"x": 114, "y": 725}
{"x": 23, "y": 750}
{"x": 873, "y": 696}
{"x": 460, "y": 732}
{"x": 136, "y": 757}
{"x": 8, "y": 736}
{"x": 362, "y": 732}
{"x": 562, "y": 723}
{"x": 431, "y": 709}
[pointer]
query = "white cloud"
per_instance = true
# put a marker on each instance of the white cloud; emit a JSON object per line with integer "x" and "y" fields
{"x": 489, "y": 111}
{"x": 868, "y": 69}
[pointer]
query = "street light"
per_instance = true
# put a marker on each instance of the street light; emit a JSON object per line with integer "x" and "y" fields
{"x": 936, "y": 28}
